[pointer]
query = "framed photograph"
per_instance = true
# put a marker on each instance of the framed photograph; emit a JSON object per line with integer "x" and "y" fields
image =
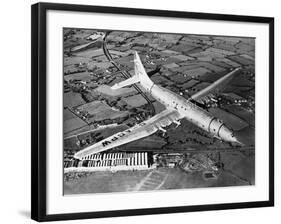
{"x": 139, "y": 111}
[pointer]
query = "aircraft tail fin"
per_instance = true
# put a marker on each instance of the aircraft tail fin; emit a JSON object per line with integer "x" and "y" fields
{"x": 139, "y": 76}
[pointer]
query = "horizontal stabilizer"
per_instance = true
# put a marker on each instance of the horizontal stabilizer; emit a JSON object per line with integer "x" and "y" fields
{"x": 127, "y": 82}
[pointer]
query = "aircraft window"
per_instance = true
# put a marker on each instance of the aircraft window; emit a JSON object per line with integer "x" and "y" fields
{"x": 214, "y": 129}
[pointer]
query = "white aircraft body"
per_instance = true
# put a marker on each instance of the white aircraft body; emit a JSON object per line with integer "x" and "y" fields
{"x": 177, "y": 108}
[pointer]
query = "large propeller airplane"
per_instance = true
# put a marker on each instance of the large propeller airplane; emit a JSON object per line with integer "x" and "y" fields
{"x": 177, "y": 108}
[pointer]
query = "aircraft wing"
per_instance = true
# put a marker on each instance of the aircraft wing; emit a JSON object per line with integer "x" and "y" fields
{"x": 139, "y": 131}
{"x": 216, "y": 87}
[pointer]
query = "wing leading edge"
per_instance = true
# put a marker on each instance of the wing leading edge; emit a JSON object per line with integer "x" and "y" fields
{"x": 144, "y": 129}
{"x": 216, "y": 87}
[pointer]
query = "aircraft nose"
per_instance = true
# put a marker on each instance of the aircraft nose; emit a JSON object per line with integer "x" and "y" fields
{"x": 236, "y": 141}
{"x": 228, "y": 136}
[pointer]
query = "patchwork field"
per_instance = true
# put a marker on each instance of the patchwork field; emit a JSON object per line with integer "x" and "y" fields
{"x": 182, "y": 63}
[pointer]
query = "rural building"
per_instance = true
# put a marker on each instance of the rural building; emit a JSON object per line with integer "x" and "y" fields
{"x": 111, "y": 162}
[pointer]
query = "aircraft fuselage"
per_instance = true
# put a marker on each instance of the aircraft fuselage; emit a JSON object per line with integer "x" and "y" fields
{"x": 193, "y": 113}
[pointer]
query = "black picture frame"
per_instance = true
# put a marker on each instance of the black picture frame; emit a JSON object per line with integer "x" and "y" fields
{"x": 39, "y": 108}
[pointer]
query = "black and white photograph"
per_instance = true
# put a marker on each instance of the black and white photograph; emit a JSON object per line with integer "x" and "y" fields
{"x": 140, "y": 112}
{"x": 148, "y": 111}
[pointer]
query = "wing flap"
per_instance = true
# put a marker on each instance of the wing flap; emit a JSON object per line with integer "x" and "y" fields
{"x": 139, "y": 131}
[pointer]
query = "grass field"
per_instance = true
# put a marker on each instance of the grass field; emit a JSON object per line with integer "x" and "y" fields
{"x": 239, "y": 170}
{"x": 105, "y": 182}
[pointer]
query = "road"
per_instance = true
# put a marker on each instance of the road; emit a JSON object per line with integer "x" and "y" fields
{"x": 191, "y": 150}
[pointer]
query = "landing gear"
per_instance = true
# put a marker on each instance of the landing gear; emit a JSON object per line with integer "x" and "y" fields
{"x": 177, "y": 123}
{"x": 163, "y": 131}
